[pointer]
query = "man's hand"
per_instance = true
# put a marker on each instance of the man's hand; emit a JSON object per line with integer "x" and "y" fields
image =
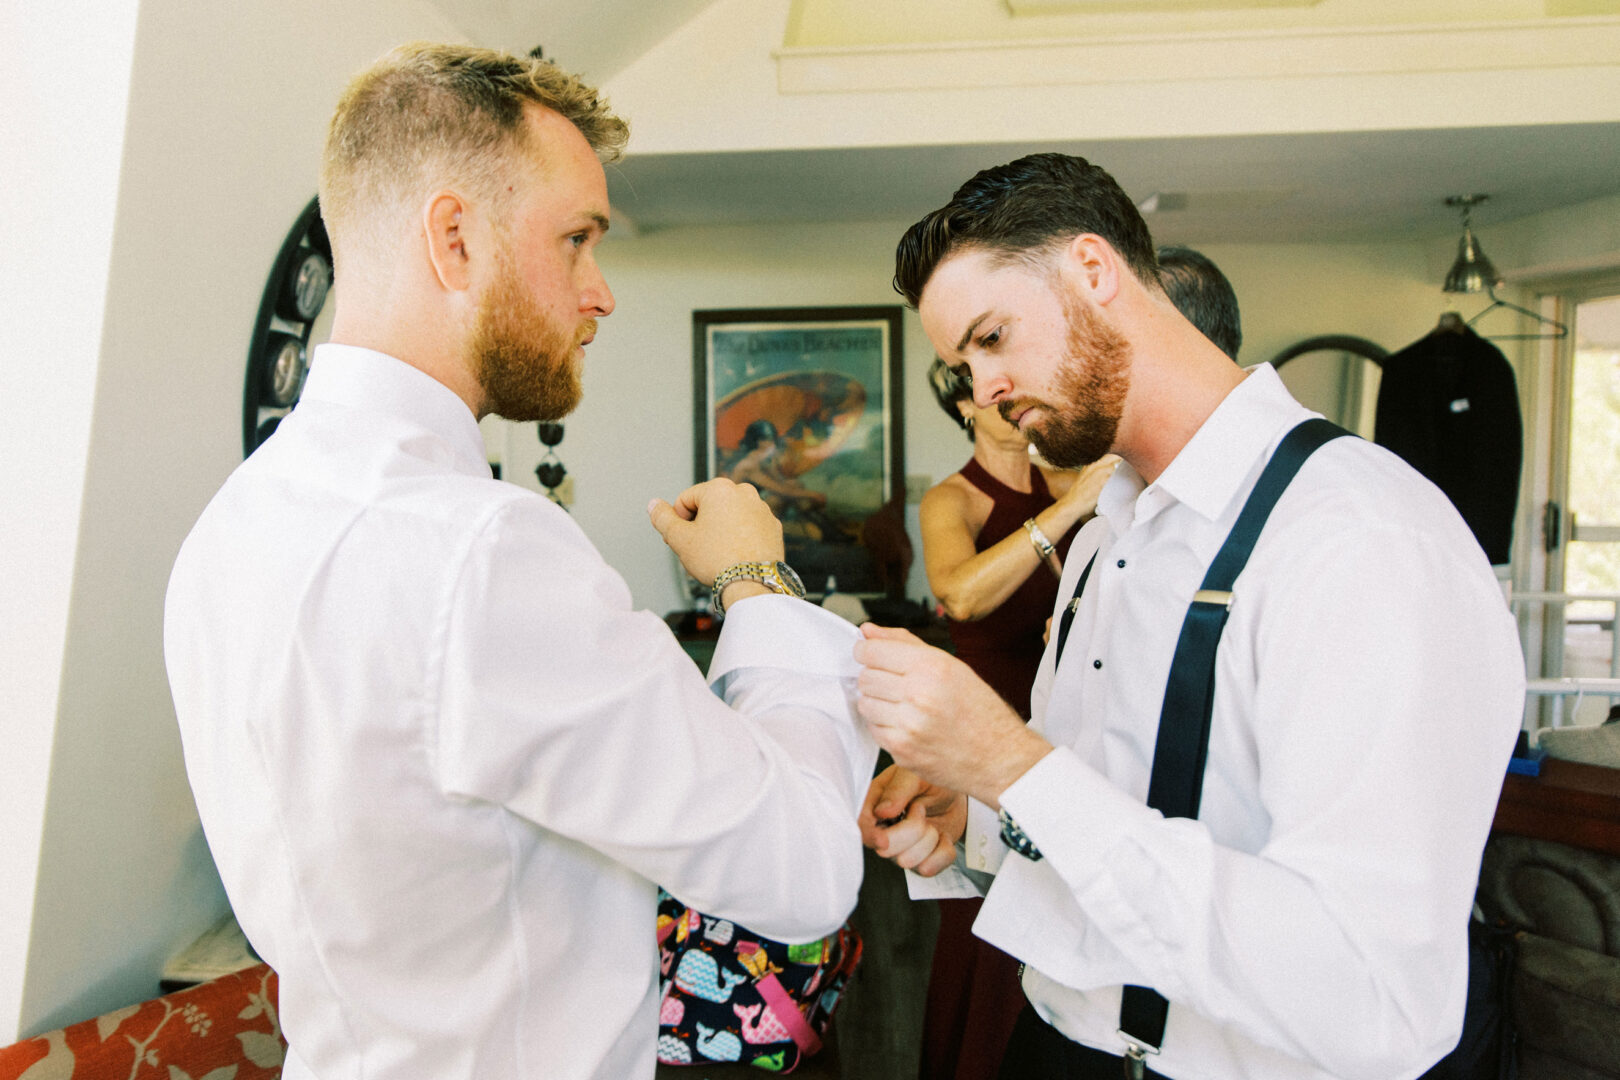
{"x": 938, "y": 719}
{"x": 715, "y": 525}
{"x": 894, "y": 790}
{"x": 911, "y": 822}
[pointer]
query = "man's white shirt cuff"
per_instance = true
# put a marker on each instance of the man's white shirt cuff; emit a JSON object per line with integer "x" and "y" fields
{"x": 784, "y": 632}
{"x": 1072, "y": 814}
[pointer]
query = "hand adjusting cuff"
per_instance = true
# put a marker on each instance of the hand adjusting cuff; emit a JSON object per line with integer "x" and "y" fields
{"x": 775, "y": 576}
{"x": 1038, "y": 538}
{"x": 1013, "y": 836}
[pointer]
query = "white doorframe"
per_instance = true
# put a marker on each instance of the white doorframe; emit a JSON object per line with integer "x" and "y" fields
{"x": 1546, "y": 402}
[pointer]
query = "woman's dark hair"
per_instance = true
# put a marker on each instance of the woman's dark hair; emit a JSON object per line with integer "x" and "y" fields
{"x": 1022, "y": 209}
{"x": 950, "y": 387}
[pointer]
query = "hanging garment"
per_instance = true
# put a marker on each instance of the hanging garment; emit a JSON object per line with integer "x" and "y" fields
{"x": 1449, "y": 405}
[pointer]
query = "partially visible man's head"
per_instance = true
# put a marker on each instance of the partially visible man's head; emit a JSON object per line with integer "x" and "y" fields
{"x": 1026, "y": 210}
{"x": 1201, "y": 292}
{"x": 428, "y": 116}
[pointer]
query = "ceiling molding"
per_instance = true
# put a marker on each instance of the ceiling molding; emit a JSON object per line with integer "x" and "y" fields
{"x": 1250, "y": 55}
{"x": 1095, "y": 7}
{"x": 1583, "y": 7}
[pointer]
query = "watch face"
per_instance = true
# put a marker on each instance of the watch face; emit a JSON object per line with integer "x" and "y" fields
{"x": 790, "y": 579}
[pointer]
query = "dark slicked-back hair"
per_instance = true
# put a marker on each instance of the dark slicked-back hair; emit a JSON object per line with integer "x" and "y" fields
{"x": 1201, "y": 292}
{"x": 1021, "y": 210}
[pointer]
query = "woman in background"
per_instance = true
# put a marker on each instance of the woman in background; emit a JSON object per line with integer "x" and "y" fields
{"x": 985, "y": 531}
{"x": 994, "y": 536}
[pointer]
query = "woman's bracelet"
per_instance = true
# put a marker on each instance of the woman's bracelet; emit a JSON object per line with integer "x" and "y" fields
{"x": 1038, "y": 538}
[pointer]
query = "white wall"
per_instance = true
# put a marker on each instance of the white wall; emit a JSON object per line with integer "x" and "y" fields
{"x": 123, "y": 415}
{"x": 1571, "y": 239}
{"x": 60, "y": 146}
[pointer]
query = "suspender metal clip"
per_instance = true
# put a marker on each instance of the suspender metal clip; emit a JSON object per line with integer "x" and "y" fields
{"x": 1136, "y": 1052}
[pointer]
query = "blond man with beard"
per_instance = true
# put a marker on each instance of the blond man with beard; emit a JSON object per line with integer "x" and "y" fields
{"x": 1309, "y": 919}
{"x": 439, "y": 759}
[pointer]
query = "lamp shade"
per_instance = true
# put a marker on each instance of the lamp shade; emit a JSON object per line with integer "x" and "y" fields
{"x": 1472, "y": 272}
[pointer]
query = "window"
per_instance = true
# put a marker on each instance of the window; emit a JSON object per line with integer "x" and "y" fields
{"x": 1578, "y": 590}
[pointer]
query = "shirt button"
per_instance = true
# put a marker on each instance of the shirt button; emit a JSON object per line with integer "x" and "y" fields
{"x": 1120, "y": 564}
{"x": 1096, "y": 664}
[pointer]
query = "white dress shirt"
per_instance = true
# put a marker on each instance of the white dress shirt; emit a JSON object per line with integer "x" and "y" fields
{"x": 1311, "y": 922}
{"x": 441, "y": 762}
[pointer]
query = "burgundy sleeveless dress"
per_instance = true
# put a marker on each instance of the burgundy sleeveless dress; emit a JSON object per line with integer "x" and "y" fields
{"x": 973, "y": 992}
{"x": 1004, "y": 648}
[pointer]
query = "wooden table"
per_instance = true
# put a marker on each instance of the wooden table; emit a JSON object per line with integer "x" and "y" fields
{"x": 1569, "y": 802}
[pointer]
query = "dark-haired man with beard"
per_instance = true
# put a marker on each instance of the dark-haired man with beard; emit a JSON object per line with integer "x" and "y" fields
{"x": 1308, "y": 920}
{"x": 439, "y": 759}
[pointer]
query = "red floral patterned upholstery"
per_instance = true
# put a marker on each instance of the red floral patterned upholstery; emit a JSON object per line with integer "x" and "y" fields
{"x": 226, "y": 1029}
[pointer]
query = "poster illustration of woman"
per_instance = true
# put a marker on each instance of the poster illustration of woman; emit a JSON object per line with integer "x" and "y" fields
{"x": 805, "y": 407}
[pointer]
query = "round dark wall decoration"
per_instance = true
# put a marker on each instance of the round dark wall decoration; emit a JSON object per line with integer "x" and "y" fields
{"x": 1342, "y": 343}
{"x": 278, "y": 359}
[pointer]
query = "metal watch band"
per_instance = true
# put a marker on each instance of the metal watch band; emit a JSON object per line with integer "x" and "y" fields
{"x": 778, "y": 577}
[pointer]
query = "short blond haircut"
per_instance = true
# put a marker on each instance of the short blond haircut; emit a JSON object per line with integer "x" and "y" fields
{"x": 428, "y": 115}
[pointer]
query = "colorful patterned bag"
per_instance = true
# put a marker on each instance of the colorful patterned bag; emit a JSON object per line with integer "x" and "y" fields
{"x": 731, "y": 995}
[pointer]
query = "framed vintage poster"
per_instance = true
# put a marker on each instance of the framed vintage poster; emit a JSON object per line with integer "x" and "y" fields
{"x": 805, "y": 404}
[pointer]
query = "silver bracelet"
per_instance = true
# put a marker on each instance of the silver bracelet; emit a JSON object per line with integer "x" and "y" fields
{"x": 1038, "y": 538}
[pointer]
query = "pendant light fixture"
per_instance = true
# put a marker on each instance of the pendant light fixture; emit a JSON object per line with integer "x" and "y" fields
{"x": 1472, "y": 272}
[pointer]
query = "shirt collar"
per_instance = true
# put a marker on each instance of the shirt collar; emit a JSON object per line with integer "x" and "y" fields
{"x": 359, "y": 378}
{"x": 1211, "y": 469}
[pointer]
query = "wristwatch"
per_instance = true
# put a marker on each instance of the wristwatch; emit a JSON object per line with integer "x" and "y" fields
{"x": 775, "y": 576}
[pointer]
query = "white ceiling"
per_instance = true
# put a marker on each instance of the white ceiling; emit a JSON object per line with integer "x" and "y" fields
{"x": 1278, "y": 188}
{"x": 1341, "y": 186}
{"x": 595, "y": 38}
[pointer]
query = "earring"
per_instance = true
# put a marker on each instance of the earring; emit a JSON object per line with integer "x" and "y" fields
{"x": 969, "y": 421}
